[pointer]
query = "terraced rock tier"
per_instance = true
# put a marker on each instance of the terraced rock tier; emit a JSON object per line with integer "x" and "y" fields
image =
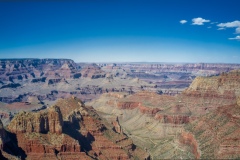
{"x": 67, "y": 130}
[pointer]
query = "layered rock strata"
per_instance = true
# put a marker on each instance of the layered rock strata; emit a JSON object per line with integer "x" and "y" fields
{"x": 202, "y": 122}
{"x": 70, "y": 130}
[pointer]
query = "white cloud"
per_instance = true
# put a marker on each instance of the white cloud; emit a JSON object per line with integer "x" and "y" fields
{"x": 230, "y": 24}
{"x": 238, "y": 30}
{"x": 221, "y": 28}
{"x": 183, "y": 21}
{"x": 234, "y": 24}
{"x": 199, "y": 21}
{"x": 209, "y": 27}
{"x": 235, "y": 38}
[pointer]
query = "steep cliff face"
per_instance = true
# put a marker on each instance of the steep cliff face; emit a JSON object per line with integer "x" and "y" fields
{"x": 41, "y": 122}
{"x": 216, "y": 133}
{"x": 70, "y": 130}
{"x": 225, "y": 86}
{"x": 97, "y": 138}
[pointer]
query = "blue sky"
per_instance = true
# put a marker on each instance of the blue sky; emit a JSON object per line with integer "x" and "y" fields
{"x": 122, "y": 30}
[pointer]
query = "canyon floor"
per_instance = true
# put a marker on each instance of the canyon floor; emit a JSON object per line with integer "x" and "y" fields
{"x": 59, "y": 109}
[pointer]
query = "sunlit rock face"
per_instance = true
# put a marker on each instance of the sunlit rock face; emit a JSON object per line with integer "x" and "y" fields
{"x": 70, "y": 130}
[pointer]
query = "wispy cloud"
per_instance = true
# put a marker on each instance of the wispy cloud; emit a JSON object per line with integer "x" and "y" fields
{"x": 183, "y": 21}
{"x": 221, "y": 28}
{"x": 199, "y": 21}
{"x": 234, "y": 24}
{"x": 235, "y": 38}
{"x": 238, "y": 30}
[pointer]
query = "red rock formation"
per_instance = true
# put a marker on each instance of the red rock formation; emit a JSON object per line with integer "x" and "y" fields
{"x": 174, "y": 119}
{"x": 40, "y": 122}
{"x": 223, "y": 86}
{"x": 127, "y": 105}
{"x": 148, "y": 103}
{"x": 69, "y": 130}
{"x": 147, "y": 110}
{"x": 188, "y": 139}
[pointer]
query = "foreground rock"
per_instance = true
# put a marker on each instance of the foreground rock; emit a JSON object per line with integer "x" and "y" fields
{"x": 70, "y": 130}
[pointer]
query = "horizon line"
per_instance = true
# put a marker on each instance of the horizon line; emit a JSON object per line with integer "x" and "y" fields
{"x": 120, "y": 61}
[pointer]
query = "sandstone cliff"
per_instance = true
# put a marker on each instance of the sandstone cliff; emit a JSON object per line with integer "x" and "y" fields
{"x": 226, "y": 86}
{"x": 41, "y": 122}
{"x": 70, "y": 130}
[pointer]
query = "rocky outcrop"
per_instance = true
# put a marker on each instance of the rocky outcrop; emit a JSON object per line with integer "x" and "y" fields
{"x": 70, "y": 130}
{"x": 50, "y": 146}
{"x": 40, "y": 122}
{"x": 225, "y": 86}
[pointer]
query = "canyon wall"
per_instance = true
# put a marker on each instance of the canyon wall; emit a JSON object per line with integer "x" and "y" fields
{"x": 67, "y": 130}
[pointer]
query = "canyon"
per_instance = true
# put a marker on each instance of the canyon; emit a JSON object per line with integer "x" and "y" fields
{"x": 201, "y": 122}
{"x": 59, "y": 109}
{"x": 66, "y": 130}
